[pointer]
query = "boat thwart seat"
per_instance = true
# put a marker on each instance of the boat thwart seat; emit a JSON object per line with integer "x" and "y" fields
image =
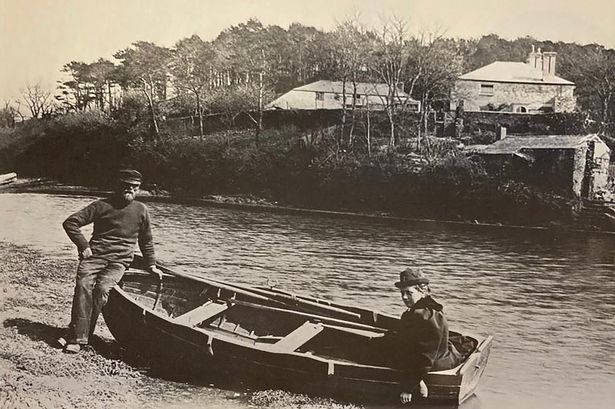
{"x": 202, "y": 313}
{"x": 298, "y": 337}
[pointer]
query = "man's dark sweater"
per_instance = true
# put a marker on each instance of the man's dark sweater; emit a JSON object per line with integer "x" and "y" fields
{"x": 117, "y": 226}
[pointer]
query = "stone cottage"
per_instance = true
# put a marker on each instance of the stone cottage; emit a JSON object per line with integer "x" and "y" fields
{"x": 325, "y": 94}
{"x": 516, "y": 87}
{"x": 576, "y": 163}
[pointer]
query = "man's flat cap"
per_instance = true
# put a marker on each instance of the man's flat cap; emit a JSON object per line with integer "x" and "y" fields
{"x": 130, "y": 176}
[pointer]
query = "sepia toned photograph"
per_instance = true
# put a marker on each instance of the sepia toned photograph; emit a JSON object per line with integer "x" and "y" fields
{"x": 348, "y": 204}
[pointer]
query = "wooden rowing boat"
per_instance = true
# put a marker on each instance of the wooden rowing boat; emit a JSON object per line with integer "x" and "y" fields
{"x": 195, "y": 324}
{"x": 7, "y": 178}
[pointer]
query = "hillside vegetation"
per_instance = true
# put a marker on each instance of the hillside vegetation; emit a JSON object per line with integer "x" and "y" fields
{"x": 192, "y": 118}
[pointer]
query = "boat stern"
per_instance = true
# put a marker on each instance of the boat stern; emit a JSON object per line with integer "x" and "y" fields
{"x": 473, "y": 368}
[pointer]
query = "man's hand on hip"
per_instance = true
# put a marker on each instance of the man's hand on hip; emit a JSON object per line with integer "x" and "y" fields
{"x": 156, "y": 271}
{"x": 85, "y": 254}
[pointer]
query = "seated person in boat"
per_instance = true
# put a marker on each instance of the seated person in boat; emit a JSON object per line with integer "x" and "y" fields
{"x": 421, "y": 343}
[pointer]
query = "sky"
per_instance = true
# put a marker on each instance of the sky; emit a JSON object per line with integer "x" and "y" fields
{"x": 37, "y": 37}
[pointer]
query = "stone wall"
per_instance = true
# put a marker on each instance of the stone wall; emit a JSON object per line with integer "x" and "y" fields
{"x": 571, "y": 123}
{"x": 302, "y": 119}
{"x": 514, "y": 97}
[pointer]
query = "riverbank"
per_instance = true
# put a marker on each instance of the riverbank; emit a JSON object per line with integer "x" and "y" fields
{"x": 254, "y": 203}
{"x": 35, "y": 296}
{"x": 35, "y": 299}
{"x": 288, "y": 167}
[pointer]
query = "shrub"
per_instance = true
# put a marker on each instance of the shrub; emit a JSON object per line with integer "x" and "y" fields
{"x": 84, "y": 147}
{"x": 305, "y": 168}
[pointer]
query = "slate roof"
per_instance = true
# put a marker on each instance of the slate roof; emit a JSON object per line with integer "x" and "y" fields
{"x": 364, "y": 88}
{"x": 515, "y": 144}
{"x": 507, "y": 71}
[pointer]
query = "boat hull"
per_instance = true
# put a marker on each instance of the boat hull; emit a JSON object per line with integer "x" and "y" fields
{"x": 188, "y": 352}
{"x": 140, "y": 324}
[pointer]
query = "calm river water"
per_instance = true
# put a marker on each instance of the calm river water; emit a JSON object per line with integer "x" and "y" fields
{"x": 549, "y": 299}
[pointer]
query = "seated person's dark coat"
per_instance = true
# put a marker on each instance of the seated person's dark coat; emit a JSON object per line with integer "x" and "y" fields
{"x": 422, "y": 343}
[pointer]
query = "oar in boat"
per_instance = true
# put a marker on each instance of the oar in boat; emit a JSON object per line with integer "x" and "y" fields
{"x": 224, "y": 286}
{"x": 293, "y": 300}
{"x": 277, "y": 297}
{"x": 317, "y": 318}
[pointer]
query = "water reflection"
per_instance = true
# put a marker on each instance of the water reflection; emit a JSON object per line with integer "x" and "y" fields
{"x": 549, "y": 298}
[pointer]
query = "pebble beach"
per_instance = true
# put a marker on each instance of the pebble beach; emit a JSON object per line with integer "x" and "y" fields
{"x": 35, "y": 296}
{"x": 35, "y": 301}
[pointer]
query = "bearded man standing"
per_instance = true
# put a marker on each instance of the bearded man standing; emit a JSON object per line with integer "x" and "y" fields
{"x": 119, "y": 222}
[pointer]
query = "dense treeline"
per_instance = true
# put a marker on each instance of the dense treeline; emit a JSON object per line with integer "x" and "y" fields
{"x": 248, "y": 64}
{"x": 192, "y": 118}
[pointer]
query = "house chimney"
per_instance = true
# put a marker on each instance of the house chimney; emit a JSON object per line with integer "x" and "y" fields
{"x": 530, "y": 57}
{"x": 548, "y": 64}
{"x": 535, "y": 58}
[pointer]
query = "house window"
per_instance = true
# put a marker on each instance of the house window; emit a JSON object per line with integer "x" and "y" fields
{"x": 521, "y": 109}
{"x": 320, "y": 96}
{"x": 486, "y": 89}
{"x": 546, "y": 109}
{"x": 357, "y": 101}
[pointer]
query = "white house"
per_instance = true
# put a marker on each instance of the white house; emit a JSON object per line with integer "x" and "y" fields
{"x": 325, "y": 94}
{"x": 519, "y": 87}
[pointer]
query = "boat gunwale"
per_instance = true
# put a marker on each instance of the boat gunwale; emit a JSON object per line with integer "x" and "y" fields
{"x": 237, "y": 340}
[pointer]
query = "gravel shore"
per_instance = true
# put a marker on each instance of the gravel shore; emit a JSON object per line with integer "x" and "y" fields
{"x": 35, "y": 295}
{"x": 35, "y": 301}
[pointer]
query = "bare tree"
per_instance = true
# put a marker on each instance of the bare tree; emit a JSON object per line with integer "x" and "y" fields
{"x": 193, "y": 65}
{"x": 39, "y": 101}
{"x": 388, "y": 64}
{"x": 431, "y": 70}
{"x": 598, "y": 76}
{"x": 352, "y": 47}
{"x": 8, "y": 115}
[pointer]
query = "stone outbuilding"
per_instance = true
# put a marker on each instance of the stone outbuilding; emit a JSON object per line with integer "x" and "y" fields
{"x": 516, "y": 87}
{"x": 577, "y": 163}
{"x": 325, "y": 94}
